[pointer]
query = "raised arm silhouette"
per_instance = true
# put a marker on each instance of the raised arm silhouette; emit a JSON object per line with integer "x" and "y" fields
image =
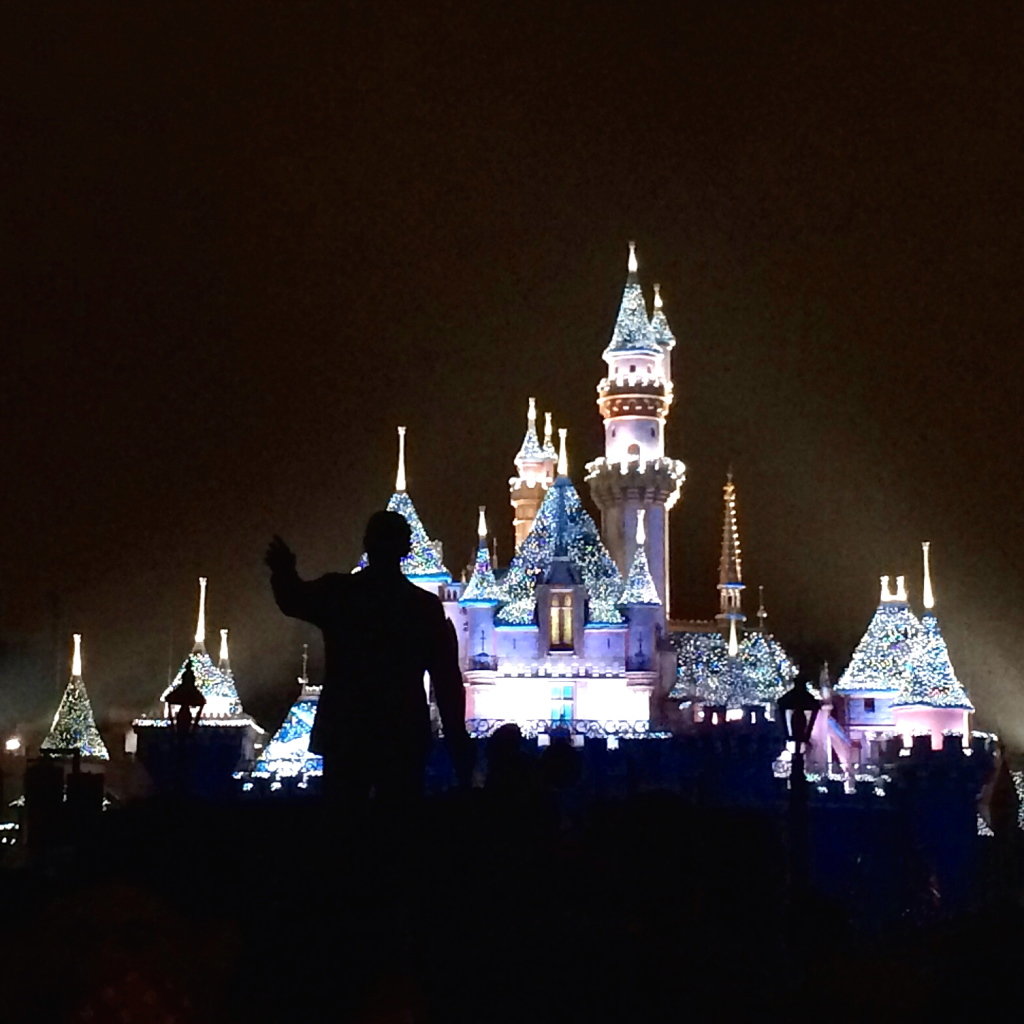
{"x": 381, "y": 634}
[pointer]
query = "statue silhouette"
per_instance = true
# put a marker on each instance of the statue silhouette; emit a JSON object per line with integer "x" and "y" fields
{"x": 381, "y": 634}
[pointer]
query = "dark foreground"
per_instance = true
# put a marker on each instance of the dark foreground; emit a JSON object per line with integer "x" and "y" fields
{"x": 478, "y": 908}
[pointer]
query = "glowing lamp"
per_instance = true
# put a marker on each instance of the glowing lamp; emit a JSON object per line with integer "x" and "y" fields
{"x": 12, "y": 745}
{"x": 799, "y": 708}
{"x": 185, "y": 703}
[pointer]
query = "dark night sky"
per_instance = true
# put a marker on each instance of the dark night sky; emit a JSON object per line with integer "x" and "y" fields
{"x": 242, "y": 241}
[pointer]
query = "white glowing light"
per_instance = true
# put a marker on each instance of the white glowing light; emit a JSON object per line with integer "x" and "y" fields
{"x": 734, "y": 644}
{"x": 76, "y": 658}
{"x": 640, "y": 535}
{"x": 548, "y": 430}
{"x": 400, "y": 475}
{"x": 657, "y": 297}
{"x": 531, "y": 413}
{"x": 223, "y": 646}
{"x": 481, "y": 526}
{"x": 201, "y": 621}
{"x": 928, "y": 597}
{"x": 632, "y": 258}
{"x": 886, "y": 594}
{"x": 12, "y": 745}
{"x": 901, "y": 588}
{"x": 563, "y": 458}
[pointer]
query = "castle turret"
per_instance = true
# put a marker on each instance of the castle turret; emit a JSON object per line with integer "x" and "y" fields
{"x": 481, "y": 596}
{"x": 74, "y": 727}
{"x": 536, "y": 465}
{"x": 642, "y": 606}
{"x": 634, "y": 399}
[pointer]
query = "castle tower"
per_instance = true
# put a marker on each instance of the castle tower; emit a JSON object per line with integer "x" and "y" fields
{"x": 536, "y": 466}
{"x": 634, "y": 399}
{"x": 730, "y": 570}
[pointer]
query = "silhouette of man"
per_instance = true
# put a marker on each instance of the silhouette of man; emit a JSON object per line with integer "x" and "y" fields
{"x": 381, "y": 633}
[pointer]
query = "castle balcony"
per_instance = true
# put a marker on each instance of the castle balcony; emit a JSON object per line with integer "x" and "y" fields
{"x": 651, "y": 480}
{"x": 634, "y": 396}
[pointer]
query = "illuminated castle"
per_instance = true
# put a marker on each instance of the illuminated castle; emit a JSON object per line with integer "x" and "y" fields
{"x": 574, "y": 633}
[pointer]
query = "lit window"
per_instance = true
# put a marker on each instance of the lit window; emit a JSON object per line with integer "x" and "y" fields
{"x": 561, "y": 620}
{"x": 561, "y": 703}
{"x": 869, "y": 705}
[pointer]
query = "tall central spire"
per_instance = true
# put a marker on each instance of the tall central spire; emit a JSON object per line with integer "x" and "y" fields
{"x": 928, "y": 598}
{"x": 730, "y": 565}
{"x": 200, "y": 639}
{"x": 632, "y": 331}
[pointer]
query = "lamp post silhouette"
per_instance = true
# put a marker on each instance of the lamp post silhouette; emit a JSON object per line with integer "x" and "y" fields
{"x": 184, "y": 706}
{"x": 799, "y": 708}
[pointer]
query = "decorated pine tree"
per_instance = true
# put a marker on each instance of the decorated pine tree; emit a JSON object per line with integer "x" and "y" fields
{"x": 74, "y": 727}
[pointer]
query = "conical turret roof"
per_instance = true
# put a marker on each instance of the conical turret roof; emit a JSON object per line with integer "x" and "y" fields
{"x": 932, "y": 681}
{"x": 482, "y": 587}
{"x": 882, "y": 661}
{"x": 659, "y": 323}
{"x": 74, "y": 726}
{"x": 640, "y": 587}
{"x": 632, "y": 331}
{"x": 562, "y": 524}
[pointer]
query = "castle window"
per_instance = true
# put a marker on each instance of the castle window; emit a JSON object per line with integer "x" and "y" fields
{"x": 869, "y": 705}
{"x": 634, "y": 449}
{"x": 653, "y": 434}
{"x": 561, "y": 703}
{"x": 632, "y": 368}
{"x": 561, "y": 620}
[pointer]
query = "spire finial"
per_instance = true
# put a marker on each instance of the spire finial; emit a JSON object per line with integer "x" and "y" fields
{"x": 762, "y": 614}
{"x": 531, "y": 412}
{"x": 657, "y": 297}
{"x": 305, "y": 663}
{"x": 632, "y": 264}
{"x": 76, "y": 657}
{"x": 886, "y": 592}
{"x": 901, "y": 588}
{"x": 224, "y": 660}
{"x": 481, "y": 525}
{"x": 400, "y": 475}
{"x": 730, "y": 566}
{"x": 928, "y": 596}
{"x": 548, "y": 430}
{"x": 563, "y": 458}
{"x": 201, "y": 619}
{"x": 734, "y": 643}
{"x": 641, "y": 537}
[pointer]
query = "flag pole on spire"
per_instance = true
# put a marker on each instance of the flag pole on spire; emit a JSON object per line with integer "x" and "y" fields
{"x": 928, "y": 596}
{"x": 200, "y": 643}
{"x": 400, "y": 475}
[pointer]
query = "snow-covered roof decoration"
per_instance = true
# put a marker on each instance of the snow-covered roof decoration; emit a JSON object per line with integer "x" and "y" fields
{"x": 482, "y": 587}
{"x": 659, "y": 323}
{"x": 632, "y": 331}
{"x": 640, "y": 587}
{"x": 882, "y": 661}
{"x": 74, "y": 726}
{"x": 562, "y": 524}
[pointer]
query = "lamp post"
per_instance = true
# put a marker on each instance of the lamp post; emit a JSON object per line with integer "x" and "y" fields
{"x": 799, "y": 709}
{"x": 184, "y": 706}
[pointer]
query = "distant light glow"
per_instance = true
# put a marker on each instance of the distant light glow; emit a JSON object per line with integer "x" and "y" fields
{"x": 928, "y": 597}
{"x": 657, "y": 297}
{"x": 481, "y": 525}
{"x": 563, "y": 458}
{"x": 632, "y": 264}
{"x": 12, "y": 745}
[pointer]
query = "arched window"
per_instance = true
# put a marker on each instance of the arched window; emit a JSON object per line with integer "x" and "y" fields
{"x": 561, "y": 620}
{"x": 634, "y": 449}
